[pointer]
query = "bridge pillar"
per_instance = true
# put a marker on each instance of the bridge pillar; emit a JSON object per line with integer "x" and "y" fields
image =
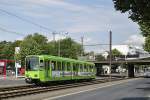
{"x": 131, "y": 70}
{"x": 99, "y": 69}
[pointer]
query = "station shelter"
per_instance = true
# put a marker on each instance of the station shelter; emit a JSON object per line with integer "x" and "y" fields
{"x": 7, "y": 68}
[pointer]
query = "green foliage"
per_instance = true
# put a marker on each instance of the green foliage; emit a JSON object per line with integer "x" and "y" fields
{"x": 147, "y": 43}
{"x": 99, "y": 58}
{"x": 145, "y": 28}
{"x": 37, "y": 44}
{"x": 68, "y": 48}
{"x": 115, "y": 52}
{"x": 139, "y": 11}
{"x": 31, "y": 46}
{"x": 7, "y": 50}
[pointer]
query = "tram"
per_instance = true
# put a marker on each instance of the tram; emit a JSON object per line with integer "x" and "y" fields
{"x": 47, "y": 68}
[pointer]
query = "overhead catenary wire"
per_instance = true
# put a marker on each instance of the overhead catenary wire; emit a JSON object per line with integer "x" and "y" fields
{"x": 25, "y": 20}
{"x": 9, "y": 31}
{"x": 102, "y": 44}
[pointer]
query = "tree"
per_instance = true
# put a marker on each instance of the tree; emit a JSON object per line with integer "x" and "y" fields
{"x": 99, "y": 58}
{"x": 68, "y": 48}
{"x": 116, "y": 52}
{"x": 7, "y": 50}
{"x": 147, "y": 43}
{"x": 29, "y": 46}
{"x": 37, "y": 44}
{"x": 139, "y": 11}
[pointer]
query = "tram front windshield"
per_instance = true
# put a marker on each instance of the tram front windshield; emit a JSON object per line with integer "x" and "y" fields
{"x": 32, "y": 63}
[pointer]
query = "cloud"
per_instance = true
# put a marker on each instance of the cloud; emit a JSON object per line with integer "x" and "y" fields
{"x": 93, "y": 21}
{"x": 135, "y": 40}
{"x": 55, "y": 3}
{"x": 75, "y": 18}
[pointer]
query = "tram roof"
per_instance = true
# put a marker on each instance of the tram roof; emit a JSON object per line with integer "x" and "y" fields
{"x": 56, "y": 58}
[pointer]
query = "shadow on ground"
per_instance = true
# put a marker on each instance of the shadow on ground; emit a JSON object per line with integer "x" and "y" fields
{"x": 136, "y": 98}
{"x": 147, "y": 83}
{"x": 144, "y": 88}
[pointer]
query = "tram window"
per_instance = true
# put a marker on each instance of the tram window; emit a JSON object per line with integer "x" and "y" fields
{"x": 53, "y": 64}
{"x": 47, "y": 64}
{"x": 77, "y": 67}
{"x": 90, "y": 68}
{"x": 68, "y": 66}
{"x": 58, "y": 66}
{"x": 74, "y": 65}
{"x": 81, "y": 68}
{"x": 63, "y": 66}
{"x": 93, "y": 68}
{"x": 85, "y": 68}
{"x": 41, "y": 63}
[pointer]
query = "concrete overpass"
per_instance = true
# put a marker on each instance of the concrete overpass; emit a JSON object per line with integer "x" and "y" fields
{"x": 130, "y": 64}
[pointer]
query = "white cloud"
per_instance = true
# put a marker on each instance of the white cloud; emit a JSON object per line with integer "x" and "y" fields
{"x": 87, "y": 40}
{"x": 91, "y": 21}
{"x": 82, "y": 18}
{"x": 55, "y": 3}
{"x": 135, "y": 40}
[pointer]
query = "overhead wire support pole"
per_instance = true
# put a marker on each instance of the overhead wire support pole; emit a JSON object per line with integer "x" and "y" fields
{"x": 110, "y": 53}
{"x": 54, "y": 36}
{"x": 82, "y": 45}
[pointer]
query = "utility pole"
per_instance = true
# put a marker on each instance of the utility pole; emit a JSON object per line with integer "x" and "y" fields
{"x": 54, "y": 41}
{"x": 59, "y": 47}
{"x": 54, "y": 33}
{"x": 82, "y": 38}
{"x": 66, "y": 33}
{"x": 110, "y": 52}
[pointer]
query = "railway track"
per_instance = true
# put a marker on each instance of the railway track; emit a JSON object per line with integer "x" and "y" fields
{"x": 10, "y": 92}
{"x": 2, "y": 89}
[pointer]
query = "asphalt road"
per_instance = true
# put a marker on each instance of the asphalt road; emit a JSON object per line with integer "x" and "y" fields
{"x": 132, "y": 90}
{"x": 11, "y": 82}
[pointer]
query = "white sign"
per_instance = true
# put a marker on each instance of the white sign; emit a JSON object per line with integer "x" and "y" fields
{"x": 17, "y": 50}
{"x": 18, "y": 65}
{"x": 2, "y": 63}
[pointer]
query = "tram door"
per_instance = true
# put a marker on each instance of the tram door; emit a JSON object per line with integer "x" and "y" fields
{"x": 47, "y": 69}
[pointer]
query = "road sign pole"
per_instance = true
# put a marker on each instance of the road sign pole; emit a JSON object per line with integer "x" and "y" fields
{"x": 16, "y": 69}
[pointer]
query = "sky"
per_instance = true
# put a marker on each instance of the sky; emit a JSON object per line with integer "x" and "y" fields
{"x": 91, "y": 19}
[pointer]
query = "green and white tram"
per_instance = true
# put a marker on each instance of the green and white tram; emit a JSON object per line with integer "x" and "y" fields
{"x": 45, "y": 68}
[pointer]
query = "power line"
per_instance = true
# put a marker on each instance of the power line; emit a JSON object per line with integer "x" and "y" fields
{"x": 25, "y": 20}
{"x": 9, "y": 31}
{"x": 104, "y": 44}
{"x": 95, "y": 44}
